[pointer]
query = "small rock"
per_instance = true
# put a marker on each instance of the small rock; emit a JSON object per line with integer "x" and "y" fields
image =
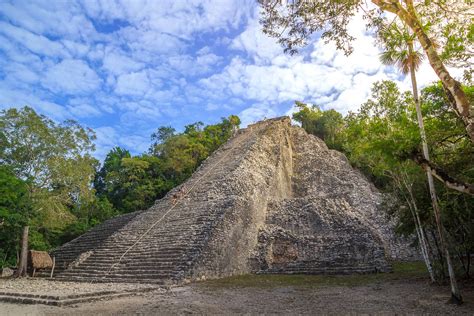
{"x": 6, "y": 272}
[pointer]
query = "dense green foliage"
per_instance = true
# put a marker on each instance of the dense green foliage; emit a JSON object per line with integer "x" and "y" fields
{"x": 52, "y": 167}
{"x": 327, "y": 125}
{"x": 15, "y": 210}
{"x": 134, "y": 183}
{"x": 50, "y": 181}
{"x": 382, "y": 138}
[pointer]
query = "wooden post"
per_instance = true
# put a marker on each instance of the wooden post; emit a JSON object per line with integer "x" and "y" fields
{"x": 22, "y": 266}
{"x": 52, "y": 269}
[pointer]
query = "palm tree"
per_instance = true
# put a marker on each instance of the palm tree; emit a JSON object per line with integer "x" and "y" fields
{"x": 399, "y": 50}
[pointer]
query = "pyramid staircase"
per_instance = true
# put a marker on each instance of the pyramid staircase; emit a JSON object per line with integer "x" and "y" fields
{"x": 273, "y": 199}
{"x": 160, "y": 244}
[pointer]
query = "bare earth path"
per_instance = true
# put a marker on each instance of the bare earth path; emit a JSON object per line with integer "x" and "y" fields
{"x": 275, "y": 295}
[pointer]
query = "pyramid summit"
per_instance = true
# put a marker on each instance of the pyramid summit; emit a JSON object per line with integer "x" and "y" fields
{"x": 273, "y": 199}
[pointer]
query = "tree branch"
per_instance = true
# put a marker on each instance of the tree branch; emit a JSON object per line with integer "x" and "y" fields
{"x": 442, "y": 176}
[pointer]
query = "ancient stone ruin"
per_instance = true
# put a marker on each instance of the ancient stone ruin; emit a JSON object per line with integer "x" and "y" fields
{"x": 273, "y": 199}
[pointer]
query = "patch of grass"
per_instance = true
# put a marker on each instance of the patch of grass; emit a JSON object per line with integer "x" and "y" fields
{"x": 410, "y": 268}
{"x": 401, "y": 270}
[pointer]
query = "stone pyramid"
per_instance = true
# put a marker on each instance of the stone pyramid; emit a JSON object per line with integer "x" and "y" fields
{"x": 273, "y": 199}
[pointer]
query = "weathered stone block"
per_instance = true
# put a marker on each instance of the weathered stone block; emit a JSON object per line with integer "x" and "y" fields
{"x": 7, "y": 272}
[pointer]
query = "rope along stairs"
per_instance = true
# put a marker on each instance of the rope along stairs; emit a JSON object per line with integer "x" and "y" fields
{"x": 163, "y": 243}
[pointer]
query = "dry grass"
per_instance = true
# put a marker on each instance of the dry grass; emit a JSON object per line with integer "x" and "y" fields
{"x": 40, "y": 259}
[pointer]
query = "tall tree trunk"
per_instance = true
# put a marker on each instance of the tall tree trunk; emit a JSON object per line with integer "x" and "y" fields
{"x": 455, "y": 294}
{"x": 422, "y": 240}
{"x": 439, "y": 254}
{"x": 456, "y": 95}
{"x": 23, "y": 264}
{"x": 419, "y": 228}
{"x": 468, "y": 264}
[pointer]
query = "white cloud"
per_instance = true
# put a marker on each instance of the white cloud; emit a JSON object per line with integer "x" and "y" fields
{"x": 18, "y": 54}
{"x": 76, "y": 49}
{"x": 58, "y": 18}
{"x": 14, "y": 97}
{"x": 107, "y": 138}
{"x": 357, "y": 93}
{"x": 71, "y": 76}
{"x": 134, "y": 84}
{"x": 118, "y": 63}
{"x": 256, "y": 44}
{"x": 327, "y": 78}
{"x": 137, "y": 143}
{"x": 147, "y": 43}
{"x": 21, "y": 73}
{"x": 207, "y": 61}
{"x": 81, "y": 108}
{"x": 182, "y": 63}
{"x": 191, "y": 66}
{"x": 276, "y": 84}
{"x": 36, "y": 43}
{"x": 179, "y": 18}
{"x": 256, "y": 113}
{"x": 212, "y": 107}
{"x": 170, "y": 61}
{"x": 96, "y": 52}
{"x": 139, "y": 113}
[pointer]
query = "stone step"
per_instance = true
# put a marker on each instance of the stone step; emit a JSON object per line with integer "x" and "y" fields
{"x": 54, "y": 301}
{"x": 142, "y": 253}
{"x": 107, "y": 270}
{"x": 154, "y": 281}
{"x": 147, "y": 255}
{"x": 131, "y": 272}
{"x": 118, "y": 274}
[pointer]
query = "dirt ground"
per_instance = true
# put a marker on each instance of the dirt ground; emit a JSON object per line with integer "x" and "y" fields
{"x": 272, "y": 296}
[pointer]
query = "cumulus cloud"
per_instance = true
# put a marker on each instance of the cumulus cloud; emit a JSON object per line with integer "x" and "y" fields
{"x": 276, "y": 84}
{"x": 255, "y": 113}
{"x": 134, "y": 84}
{"x": 191, "y": 66}
{"x": 255, "y": 44}
{"x": 59, "y": 18}
{"x": 147, "y": 43}
{"x": 82, "y": 108}
{"x": 320, "y": 75}
{"x": 71, "y": 76}
{"x": 107, "y": 138}
{"x": 127, "y": 67}
{"x": 118, "y": 63}
{"x": 35, "y": 43}
{"x": 21, "y": 73}
{"x": 139, "y": 143}
{"x": 76, "y": 49}
{"x": 15, "y": 97}
{"x": 195, "y": 16}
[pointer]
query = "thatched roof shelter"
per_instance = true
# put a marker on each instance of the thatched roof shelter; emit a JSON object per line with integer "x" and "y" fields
{"x": 40, "y": 259}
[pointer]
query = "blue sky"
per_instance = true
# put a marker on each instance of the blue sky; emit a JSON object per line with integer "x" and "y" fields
{"x": 125, "y": 68}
